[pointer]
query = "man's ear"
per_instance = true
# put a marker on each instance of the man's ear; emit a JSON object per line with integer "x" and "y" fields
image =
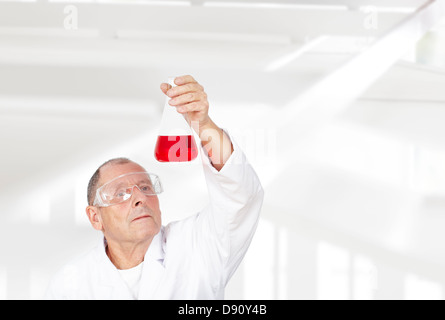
{"x": 94, "y": 217}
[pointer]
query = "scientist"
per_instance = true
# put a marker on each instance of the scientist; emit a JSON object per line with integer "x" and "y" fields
{"x": 139, "y": 258}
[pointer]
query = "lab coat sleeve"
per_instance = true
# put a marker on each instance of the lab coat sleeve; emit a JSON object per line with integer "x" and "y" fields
{"x": 228, "y": 223}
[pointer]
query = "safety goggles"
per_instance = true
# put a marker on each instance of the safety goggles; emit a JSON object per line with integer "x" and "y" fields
{"x": 121, "y": 188}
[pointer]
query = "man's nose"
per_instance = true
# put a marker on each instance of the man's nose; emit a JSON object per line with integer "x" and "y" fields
{"x": 138, "y": 196}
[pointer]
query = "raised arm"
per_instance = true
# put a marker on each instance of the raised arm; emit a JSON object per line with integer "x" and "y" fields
{"x": 223, "y": 230}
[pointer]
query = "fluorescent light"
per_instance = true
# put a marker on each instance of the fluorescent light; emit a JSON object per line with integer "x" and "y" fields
{"x": 271, "y": 5}
{"x": 130, "y": 2}
{"x": 18, "y": 0}
{"x": 149, "y": 3}
{"x": 370, "y": 8}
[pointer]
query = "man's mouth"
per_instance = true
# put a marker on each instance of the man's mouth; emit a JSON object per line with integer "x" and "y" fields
{"x": 141, "y": 217}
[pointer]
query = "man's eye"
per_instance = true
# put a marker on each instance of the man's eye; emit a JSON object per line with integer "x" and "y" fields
{"x": 120, "y": 194}
{"x": 146, "y": 188}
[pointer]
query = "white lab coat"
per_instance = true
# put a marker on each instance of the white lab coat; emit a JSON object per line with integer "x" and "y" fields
{"x": 189, "y": 259}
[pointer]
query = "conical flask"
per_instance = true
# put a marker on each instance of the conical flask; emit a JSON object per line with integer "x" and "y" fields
{"x": 175, "y": 140}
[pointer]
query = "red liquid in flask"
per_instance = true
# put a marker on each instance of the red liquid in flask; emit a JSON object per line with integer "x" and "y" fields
{"x": 176, "y": 149}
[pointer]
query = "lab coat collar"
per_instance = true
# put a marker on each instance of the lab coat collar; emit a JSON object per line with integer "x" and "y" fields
{"x": 156, "y": 249}
{"x": 111, "y": 283}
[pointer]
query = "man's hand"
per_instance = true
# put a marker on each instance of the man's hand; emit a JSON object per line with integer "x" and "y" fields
{"x": 190, "y": 100}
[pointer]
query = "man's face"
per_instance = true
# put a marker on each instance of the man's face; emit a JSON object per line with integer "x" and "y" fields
{"x": 135, "y": 220}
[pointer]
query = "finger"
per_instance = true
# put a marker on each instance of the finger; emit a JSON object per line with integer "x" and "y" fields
{"x": 184, "y": 80}
{"x": 183, "y": 89}
{"x": 187, "y": 98}
{"x": 191, "y": 107}
{"x": 165, "y": 87}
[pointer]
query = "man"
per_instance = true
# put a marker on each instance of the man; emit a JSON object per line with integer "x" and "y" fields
{"x": 189, "y": 259}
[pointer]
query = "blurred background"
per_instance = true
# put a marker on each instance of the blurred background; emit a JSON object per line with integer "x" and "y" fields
{"x": 338, "y": 104}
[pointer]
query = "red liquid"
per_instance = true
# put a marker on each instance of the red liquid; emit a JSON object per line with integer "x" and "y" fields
{"x": 175, "y": 149}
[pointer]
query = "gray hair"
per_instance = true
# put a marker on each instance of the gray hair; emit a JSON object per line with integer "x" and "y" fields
{"x": 94, "y": 181}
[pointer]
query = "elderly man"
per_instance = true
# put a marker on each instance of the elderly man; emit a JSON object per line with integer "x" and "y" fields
{"x": 189, "y": 259}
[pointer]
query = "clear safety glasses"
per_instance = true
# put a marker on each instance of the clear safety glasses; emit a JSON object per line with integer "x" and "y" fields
{"x": 120, "y": 189}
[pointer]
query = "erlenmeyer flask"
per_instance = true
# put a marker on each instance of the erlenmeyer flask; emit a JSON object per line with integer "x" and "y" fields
{"x": 175, "y": 140}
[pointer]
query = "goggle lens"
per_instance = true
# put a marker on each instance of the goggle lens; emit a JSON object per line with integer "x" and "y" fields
{"x": 121, "y": 188}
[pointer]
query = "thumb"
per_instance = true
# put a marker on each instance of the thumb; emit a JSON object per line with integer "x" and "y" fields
{"x": 165, "y": 87}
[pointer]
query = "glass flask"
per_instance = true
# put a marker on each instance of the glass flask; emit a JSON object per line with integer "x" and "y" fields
{"x": 175, "y": 141}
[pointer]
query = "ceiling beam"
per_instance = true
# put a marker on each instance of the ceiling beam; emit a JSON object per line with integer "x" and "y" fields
{"x": 348, "y": 3}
